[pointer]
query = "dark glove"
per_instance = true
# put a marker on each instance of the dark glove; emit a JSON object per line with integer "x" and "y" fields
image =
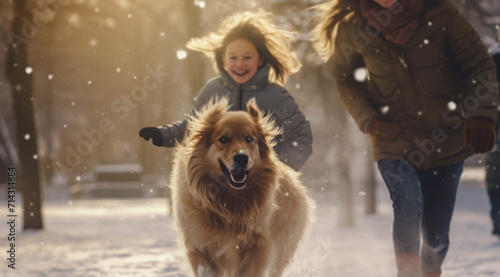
{"x": 152, "y": 133}
{"x": 480, "y": 134}
{"x": 383, "y": 131}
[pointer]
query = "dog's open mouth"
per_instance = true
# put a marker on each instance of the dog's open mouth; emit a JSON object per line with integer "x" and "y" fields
{"x": 236, "y": 177}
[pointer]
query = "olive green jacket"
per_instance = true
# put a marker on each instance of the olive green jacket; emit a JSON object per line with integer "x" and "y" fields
{"x": 441, "y": 77}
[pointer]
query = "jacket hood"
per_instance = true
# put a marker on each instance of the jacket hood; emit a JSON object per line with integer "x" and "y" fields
{"x": 258, "y": 81}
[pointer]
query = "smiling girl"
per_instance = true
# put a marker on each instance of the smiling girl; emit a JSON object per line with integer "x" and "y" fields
{"x": 254, "y": 59}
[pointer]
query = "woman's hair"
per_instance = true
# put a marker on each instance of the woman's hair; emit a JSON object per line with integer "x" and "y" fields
{"x": 328, "y": 15}
{"x": 272, "y": 43}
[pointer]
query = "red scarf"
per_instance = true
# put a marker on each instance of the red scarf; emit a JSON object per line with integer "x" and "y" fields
{"x": 399, "y": 27}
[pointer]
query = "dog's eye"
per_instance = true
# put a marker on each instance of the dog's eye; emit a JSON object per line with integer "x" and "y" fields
{"x": 223, "y": 140}
{"x": 249, "y": 139}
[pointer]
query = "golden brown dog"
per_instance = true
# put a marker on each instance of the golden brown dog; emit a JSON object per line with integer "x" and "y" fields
{"x": 238, "y": 209}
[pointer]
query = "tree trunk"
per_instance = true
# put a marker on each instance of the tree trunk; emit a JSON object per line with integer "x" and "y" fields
{"x": 345, "y": 195}
{"x": 24, "y": 104}
{"x": 370, "y": 184}
{"x": 195, "y": 70}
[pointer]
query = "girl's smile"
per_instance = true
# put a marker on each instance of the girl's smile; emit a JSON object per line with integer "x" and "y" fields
{"x": 241, "y": 60}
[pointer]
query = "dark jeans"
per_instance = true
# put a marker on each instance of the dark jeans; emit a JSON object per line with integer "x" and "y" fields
{"x": 423, "y": 203}
{"x": 492, "y": 160}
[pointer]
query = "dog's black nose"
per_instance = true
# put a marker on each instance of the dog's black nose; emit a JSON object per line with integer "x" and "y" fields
{"x": 240, "y": 160}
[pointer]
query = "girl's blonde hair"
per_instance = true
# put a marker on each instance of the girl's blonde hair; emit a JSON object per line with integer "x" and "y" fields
{"x": 328, "y": 15}
{"x": 273, "y": 44}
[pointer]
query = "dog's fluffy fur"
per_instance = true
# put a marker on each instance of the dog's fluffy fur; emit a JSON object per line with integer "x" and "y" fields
{"x": 239, "y": 210}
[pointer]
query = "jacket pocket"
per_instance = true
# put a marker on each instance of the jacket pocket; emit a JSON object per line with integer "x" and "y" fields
{"x": 384, "y": 89}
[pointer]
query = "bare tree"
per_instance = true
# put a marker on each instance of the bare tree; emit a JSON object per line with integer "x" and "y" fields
{"x": 19, "y": 75}
{"x": 196, "y": 72}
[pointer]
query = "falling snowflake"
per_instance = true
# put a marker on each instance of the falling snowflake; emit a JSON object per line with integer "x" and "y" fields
{"x": 360, "y": 74}
{"x": 384, "y": 109}
{"x": 200, "y": 3}
{"x": 27, "y": 136}
{"x": 28, "y": 70}
{"x": 50, "y": 76}
{"x": 181, "y": 54}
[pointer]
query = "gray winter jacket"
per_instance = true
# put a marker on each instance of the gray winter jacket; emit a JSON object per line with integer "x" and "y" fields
{"x": 293, "y": 147}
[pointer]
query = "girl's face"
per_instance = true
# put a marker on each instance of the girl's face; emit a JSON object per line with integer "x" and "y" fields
{"x": 386, "y": 3}
{"x": 241, "y": 60}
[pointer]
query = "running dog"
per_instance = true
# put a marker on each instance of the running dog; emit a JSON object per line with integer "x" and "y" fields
{"x": 239, "y": 210}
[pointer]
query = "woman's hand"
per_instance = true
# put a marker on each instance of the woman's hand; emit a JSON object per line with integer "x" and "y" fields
{"x": 480, "y": 134}
{"x": 383, "y": 131}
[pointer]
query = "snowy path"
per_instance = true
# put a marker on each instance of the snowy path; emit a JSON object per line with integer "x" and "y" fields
{"x": 134, "y": 238}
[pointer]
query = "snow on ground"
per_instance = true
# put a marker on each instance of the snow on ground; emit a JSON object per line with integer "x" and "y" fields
{"x": 134, "y": 237}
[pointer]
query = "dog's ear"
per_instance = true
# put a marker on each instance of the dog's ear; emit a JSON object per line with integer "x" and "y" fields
{"x": 201, "y": 124}
{"x": 267, "y": 129}
{"x": 253, "y": 110}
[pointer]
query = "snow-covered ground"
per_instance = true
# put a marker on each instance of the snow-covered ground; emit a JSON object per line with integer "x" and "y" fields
{"x": 134, "y": 237}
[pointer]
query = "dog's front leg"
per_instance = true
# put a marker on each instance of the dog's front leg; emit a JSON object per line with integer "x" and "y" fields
{"x": 201, "y": 265}
{"x": 255, "y": 259}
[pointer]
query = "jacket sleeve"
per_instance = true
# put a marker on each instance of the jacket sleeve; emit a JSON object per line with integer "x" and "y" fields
{"x": 479, "y": 96}
{"x": 173, "y": 133}
{"x": 343, "y": 63}
{"x": 294, "y": 146}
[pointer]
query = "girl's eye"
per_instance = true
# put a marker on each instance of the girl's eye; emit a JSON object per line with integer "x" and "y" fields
{"x": 223, "y": 140}
{"x": 249, "y": 139}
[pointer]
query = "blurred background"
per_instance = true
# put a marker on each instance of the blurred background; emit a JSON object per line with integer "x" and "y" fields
{"x": 79, "y": 78}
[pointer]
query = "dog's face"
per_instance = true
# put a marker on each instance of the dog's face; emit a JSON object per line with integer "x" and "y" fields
{"x": 234, "y": 145}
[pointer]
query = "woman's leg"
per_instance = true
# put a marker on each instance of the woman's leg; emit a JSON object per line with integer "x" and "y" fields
{"x": 403, "y": 183}
{"x": 439, "y": 189}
